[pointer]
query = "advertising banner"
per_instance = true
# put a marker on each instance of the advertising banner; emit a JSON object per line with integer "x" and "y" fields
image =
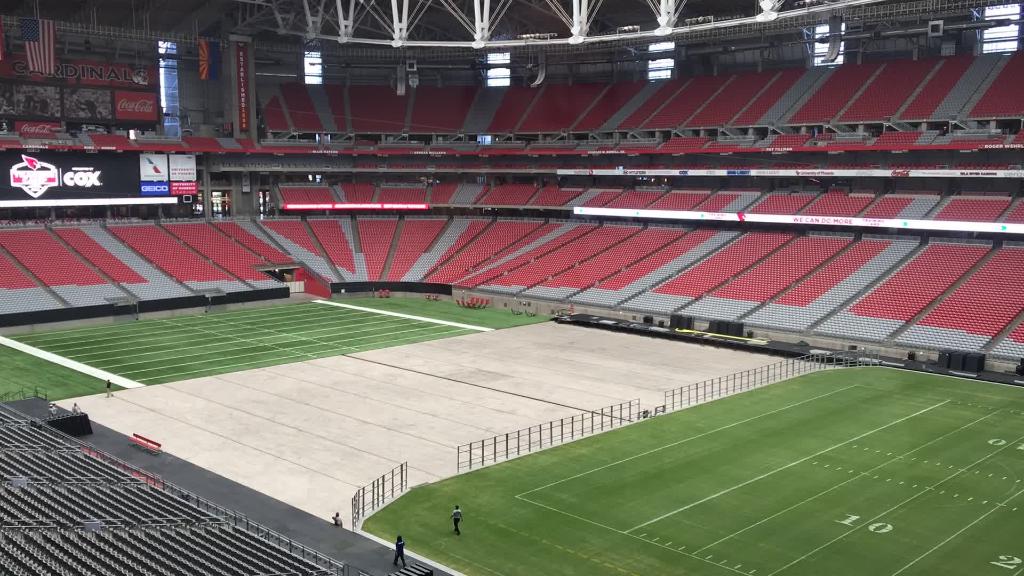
{"x": 37, "y": 129}
{"x": 182, "y": 167}
{"x": 181, "y": 188}
{"x": 136, "y": 106}
{"x": 66, "y": 179}
{"x": 242, "y": 74}
{"x": 84, "y": 72}
{"x": 153, "y": 167}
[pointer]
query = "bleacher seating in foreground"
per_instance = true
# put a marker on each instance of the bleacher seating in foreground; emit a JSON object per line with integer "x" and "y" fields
{"x": 141, "y": 527}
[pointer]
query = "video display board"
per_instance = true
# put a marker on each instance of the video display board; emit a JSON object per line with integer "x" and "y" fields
{"x": 69, "y": 179}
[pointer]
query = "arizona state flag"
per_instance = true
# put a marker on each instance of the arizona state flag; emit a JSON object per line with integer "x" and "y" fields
{"x": 209, "y": 59}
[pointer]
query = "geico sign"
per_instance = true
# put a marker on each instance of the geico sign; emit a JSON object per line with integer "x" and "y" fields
{"x": 35, "y": 177}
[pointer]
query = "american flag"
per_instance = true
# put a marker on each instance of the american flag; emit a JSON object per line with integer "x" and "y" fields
{"x": 38, "y": 36}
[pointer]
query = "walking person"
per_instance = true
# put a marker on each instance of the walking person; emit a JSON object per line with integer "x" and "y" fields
{"x": 399, "y": 551}
{"x": 110, "y": 391}
{"x": 457, "y": 519}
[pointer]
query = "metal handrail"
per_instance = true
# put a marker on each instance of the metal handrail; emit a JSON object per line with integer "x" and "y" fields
{"x": 722, "y": 386}
{"x": 542, "y": 436}
{"x": 376, "y": 494}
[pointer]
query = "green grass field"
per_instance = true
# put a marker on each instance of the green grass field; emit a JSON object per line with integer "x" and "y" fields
{"x": 858, "y": 472}
{"x": 157, "y": 351}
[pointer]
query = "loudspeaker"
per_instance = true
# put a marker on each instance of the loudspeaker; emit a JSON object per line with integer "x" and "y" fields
{"x": 944, "y": 359}
{"x": 682, "y": 322}
{"x": 835, "y": 38}
{"x": 935, "y": 28}
{"x": 956, "y": 360}
{"x": 648, "y": 320}
{"x": 974, "y": 362}
{"x": 736, "y": 329}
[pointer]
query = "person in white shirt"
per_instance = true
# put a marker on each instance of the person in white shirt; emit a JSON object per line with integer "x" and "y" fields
{"x": 457, "y": 519}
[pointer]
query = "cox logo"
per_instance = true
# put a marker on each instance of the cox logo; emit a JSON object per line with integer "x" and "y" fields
{"x": 82, "y": 177}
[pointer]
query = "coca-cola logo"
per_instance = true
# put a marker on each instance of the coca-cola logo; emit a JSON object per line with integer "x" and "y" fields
{"x": 135, "y": 106}
{"x": 900, "y": 173}
{"x": 37, "y": 128}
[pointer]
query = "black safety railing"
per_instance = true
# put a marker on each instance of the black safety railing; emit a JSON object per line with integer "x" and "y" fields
{"x": 542, "y": 436}
{"x": 722, "y": 386}
{"x": 376, "y": 494}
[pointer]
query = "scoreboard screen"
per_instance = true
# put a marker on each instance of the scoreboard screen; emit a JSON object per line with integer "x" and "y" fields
{"x": 42, "y": 179}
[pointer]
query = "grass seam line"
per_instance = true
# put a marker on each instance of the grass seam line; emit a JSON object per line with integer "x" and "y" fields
{"x": 897, "y": 506}
{"x": 787, "y": 466}
{"x": 408, "y": 316}
{"x": 70, "y": 364}
{"x": 841, "y": 484}
{"x": 960, "y": 531}
{"x": 685, "y": 440}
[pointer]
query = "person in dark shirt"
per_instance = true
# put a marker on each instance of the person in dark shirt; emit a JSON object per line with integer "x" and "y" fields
{"x": 457, "y": 519}
{"x": 110, "y": 390}
{"x": 399, "y": 551}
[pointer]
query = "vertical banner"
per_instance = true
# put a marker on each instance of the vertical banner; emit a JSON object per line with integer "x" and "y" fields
{"x": 242, "y": 96}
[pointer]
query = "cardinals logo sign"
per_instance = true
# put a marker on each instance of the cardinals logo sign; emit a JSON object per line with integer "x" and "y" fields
{"x": 35, "y": 177}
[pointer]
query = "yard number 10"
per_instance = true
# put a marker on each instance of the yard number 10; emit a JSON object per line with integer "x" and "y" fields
{"x": 1008, "y": 562}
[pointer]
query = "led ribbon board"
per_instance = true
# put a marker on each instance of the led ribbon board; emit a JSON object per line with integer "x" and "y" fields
{"x": 808, "y": 173}
{"x": 347, "y": 206}
{"x": 796, "y": 220}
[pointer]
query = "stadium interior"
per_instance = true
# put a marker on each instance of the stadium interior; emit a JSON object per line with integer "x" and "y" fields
{"x": 257, "y": 256}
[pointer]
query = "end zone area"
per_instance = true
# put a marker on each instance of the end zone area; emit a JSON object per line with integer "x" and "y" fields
{"x": 849, "y": 472}
{"x": 155, "y": 351}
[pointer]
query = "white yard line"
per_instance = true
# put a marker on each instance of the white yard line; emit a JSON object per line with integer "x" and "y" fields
{"x": 71, "y": 364}
{"x": 218, "y": 368}
{"x": 897, "y": 506}
{"x": 685, "y": 440}
{"x": 841, "y": 484}
{"x": 634, "y": 536}
{"x": 163, "y": 348}
{"x": 408, "y": 316}
{"x": 959, "y": 532}
{"x": 785, "y": 467}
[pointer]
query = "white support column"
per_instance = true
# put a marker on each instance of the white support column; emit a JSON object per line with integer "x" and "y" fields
{"x": 399, "y": 22}
{"x": 481, "y": 22}
{"x": 667, "y": 14}
{"x": 580, "y": 21}
{"x": 345, "y": 20}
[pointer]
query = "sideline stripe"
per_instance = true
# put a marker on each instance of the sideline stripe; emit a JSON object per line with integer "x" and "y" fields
{"x": 68, "y": 363}
{"x": 901, "y": 504}
{"x": 786, "y": 467}
{"x": 685, "y": 440}
{"x": 840, "y": 485}
{"x": 409, "y": 316}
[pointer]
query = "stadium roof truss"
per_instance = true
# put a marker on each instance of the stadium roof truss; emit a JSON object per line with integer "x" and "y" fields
{"x": 513, "y": 24}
